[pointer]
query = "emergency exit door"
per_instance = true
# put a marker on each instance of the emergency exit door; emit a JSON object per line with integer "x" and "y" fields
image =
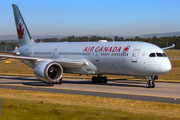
{"x": 135, "y": 55}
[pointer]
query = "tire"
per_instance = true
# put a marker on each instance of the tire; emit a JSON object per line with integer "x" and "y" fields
{"x": 93, "y": 79}
{"x": 60, "y": 81}
{"x": 98, "y": 80}
{"x": 148, "y": 84}
{"x": 153, "y": 84}
{"x": 104, "y": 79}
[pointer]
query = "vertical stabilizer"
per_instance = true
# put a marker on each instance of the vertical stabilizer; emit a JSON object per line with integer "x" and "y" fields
{"x": 24, "y": 36}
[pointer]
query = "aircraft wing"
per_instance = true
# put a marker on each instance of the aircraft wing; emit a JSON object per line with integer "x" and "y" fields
{"x": 173, "y": 45}
{"x": 7, "y": 52}
{"x": 65, "y": 63}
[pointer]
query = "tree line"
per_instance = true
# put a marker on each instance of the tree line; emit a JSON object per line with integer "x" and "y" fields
{"x": 161, "y": 41}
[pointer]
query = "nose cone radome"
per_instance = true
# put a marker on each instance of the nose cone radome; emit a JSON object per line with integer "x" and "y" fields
{"x": 165, "y": 66}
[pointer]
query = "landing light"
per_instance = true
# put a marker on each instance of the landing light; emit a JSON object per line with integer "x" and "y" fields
{"x": 18, "y": 52}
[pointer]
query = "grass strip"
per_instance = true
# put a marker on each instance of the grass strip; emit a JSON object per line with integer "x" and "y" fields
{"x": 28, "y": 105}
{"x": 173, "y": 53}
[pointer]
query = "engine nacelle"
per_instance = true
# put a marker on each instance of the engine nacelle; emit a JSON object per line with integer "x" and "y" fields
{"x": 48, "y": 71}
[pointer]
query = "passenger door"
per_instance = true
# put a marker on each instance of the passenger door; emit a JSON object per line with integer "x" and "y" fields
{"x": 55, "y": 52}
{"x": 135, "y": 55}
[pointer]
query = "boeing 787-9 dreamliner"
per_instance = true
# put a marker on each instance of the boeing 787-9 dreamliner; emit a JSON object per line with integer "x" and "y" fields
{"x": 51, "y": 60}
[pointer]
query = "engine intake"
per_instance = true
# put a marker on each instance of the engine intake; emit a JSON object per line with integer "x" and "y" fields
{"x": 48, "y": 71}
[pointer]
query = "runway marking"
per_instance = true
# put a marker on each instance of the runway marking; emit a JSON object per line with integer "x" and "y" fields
{"x": 90, "y": 91}
{"x": 167, "y": 89}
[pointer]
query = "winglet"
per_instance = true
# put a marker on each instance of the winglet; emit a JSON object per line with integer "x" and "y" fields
{"x": 173, "y": 45}
{"x": 24, "y": 36}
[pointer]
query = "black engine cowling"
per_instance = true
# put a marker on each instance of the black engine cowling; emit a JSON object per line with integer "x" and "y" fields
{"x": 48, "y": 71}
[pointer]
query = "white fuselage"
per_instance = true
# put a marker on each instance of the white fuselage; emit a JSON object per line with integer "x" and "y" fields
{"x": 117, "y": 58}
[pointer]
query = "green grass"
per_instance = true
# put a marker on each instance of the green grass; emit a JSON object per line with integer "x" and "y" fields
{"x": 31, "y": 105}
{"x": 173, "y": 53}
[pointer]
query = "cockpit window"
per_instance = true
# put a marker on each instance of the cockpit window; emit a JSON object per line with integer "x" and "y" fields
{"x": 152, "y": 55}
{"x": 159, "y": 54}
{"x": 164, "y": 55}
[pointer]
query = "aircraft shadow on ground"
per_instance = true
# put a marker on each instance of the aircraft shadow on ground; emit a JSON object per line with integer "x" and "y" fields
{"x": 39, "y": 84}
{"x": 124, "y": 83}
{"x": 20, "y": 78}
{"x": 26, "y": 81}
{"x": 128, "y": 81}
{"x": 36, "y": 82}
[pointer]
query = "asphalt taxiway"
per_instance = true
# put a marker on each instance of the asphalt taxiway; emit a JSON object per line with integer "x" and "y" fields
{"x": 135, "y": 90}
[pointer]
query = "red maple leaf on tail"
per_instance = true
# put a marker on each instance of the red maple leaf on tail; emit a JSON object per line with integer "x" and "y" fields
{"x": 20, "y": 31}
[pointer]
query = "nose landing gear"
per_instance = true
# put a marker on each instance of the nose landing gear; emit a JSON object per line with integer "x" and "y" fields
{"x": 151, "y": 83}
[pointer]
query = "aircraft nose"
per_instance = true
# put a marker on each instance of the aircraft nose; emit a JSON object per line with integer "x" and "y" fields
{"x": 165, "y": 66}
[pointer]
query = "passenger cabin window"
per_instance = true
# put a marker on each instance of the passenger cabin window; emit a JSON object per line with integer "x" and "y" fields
{"x": 152, "y": 55}
{"x": 159, "y": 54}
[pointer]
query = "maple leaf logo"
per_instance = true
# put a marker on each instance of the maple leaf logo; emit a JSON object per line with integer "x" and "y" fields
{"x": 126, "y": 49}
{"x": 20, "y": 31}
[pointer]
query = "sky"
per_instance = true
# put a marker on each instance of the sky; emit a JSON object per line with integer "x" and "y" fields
{"x": 92, "y": 17}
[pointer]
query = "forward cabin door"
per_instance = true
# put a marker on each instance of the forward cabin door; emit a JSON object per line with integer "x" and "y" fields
{"x": 55, "y": 52}
{"x": 135, "y": 55}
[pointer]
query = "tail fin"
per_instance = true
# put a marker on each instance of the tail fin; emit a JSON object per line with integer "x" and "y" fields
{"x": 24, "y": 36}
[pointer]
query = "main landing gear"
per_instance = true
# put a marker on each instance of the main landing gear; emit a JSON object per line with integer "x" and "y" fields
{"x": 99, "y": 79}
{"x": 151, "y": 83}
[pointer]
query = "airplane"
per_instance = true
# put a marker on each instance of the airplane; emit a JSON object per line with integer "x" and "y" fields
{"x": 51, "y": 60}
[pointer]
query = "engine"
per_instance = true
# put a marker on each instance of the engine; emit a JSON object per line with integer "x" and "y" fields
{"x": 48, "y": 71}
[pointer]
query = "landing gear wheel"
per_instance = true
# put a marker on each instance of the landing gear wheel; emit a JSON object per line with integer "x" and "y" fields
{"x": 150, "y": 84}
{"x": 60, "y": 81}
{"x": 99, "y": 79}
{"x": 104, "y": 79}
{"x": 153, "y": 84}
{"x": 93, "y": 79}
{"x": 147, "y": 85}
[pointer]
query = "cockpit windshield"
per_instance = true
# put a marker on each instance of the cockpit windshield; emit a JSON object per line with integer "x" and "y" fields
{"x": 152, "y": 55}
{"x": 164, "y": 55}
{"x": 157, "y": 55}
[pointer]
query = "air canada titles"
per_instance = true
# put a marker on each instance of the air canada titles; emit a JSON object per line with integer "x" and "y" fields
{"x": 111, "y": 49}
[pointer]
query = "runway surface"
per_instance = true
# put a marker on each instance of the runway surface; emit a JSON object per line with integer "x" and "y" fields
{"x": 135, "y": 90}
